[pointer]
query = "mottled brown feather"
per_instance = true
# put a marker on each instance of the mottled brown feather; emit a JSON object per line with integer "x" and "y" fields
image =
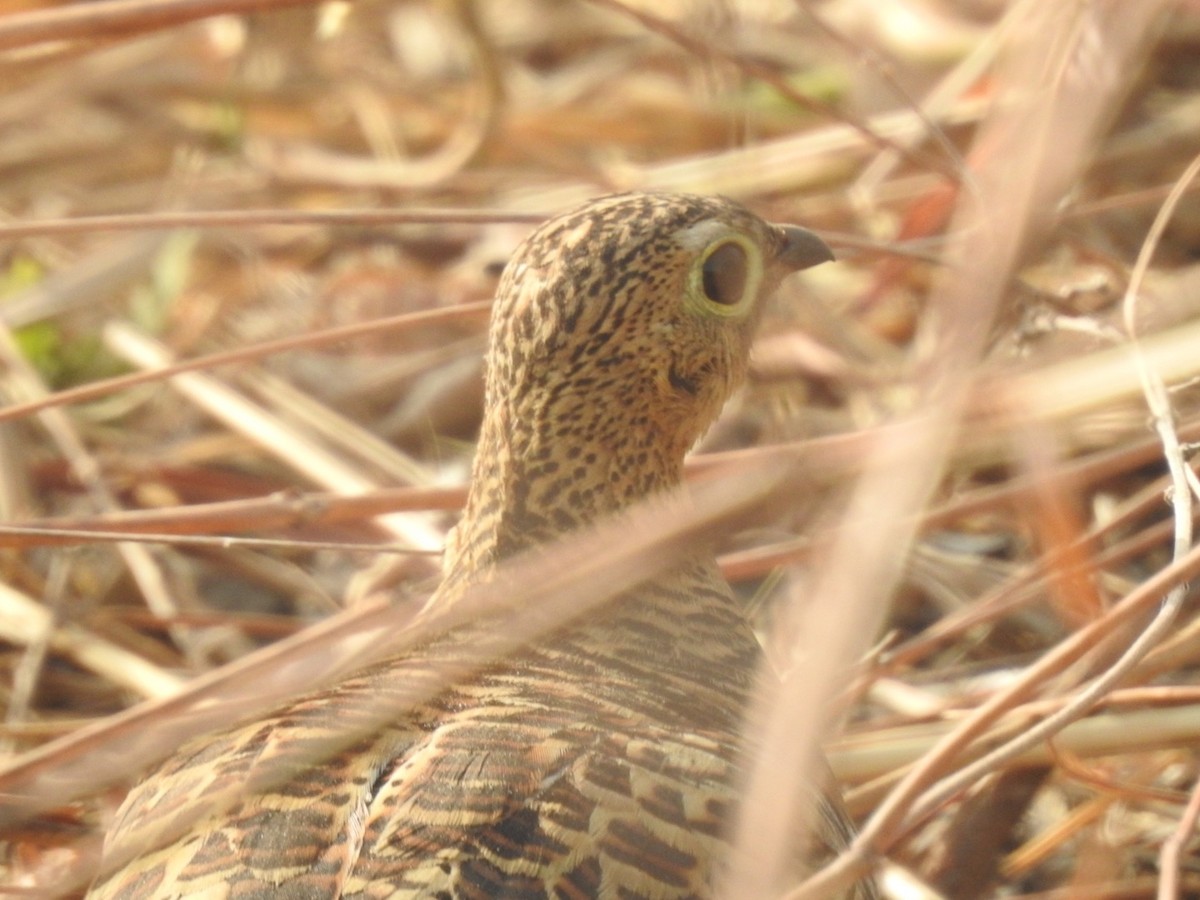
{"x": 599, "y": 761}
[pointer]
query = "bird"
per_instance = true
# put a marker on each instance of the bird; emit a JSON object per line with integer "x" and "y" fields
{"x": 599, "y": 760}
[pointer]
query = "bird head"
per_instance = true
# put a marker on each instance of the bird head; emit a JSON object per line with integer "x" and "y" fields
{"x": 626, "y": 323}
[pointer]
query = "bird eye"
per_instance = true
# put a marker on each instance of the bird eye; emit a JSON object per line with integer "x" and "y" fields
{"x": 723, "y": 274}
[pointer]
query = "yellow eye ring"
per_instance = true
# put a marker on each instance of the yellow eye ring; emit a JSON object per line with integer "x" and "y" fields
{"x": 724, "y": 281}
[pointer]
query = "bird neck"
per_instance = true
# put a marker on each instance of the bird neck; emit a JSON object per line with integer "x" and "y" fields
{"x": 677, "y": 648}
{"x": 533, "y": 482}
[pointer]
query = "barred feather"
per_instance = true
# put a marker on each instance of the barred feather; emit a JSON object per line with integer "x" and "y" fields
{"x": 601, "y": 761}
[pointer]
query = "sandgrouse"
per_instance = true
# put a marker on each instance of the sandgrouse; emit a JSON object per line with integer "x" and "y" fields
{"x": 598, "y": 761}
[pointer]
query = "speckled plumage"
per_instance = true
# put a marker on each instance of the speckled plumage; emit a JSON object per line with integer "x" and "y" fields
{"x": 599, "y": 761}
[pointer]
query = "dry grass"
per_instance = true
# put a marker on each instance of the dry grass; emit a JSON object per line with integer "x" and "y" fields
{"x": 246, "y": 255}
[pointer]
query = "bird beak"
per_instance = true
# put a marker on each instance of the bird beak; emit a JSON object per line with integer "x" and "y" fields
{"x": 802, "y": 249}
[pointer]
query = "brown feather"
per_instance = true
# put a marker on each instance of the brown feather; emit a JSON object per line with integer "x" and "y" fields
{"x": 601, "y": 760}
